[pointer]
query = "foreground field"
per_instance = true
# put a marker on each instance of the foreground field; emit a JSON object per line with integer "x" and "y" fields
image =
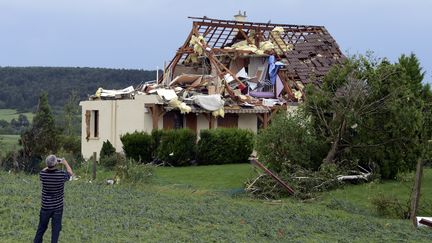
{"x": 165, "y": 212}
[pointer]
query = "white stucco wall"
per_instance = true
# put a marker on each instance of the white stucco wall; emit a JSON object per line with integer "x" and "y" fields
{"x": 202, "y": 123}
{"x": 248, "y": 121}
{"x": 94, "y": 144}
{"x": 116, "y": 117}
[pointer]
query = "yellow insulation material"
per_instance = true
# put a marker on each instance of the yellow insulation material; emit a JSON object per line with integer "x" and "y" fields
{"x": 180, "y": 105}
{"x": 219, "y": 112}
{"x": 279, "y": 44}
{"x": 196, "y": 42}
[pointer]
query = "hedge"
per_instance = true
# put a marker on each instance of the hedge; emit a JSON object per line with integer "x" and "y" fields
{"x": 224, "y": 146}
{"x": 137, "y": 146}
{"x": 177, "y": 147}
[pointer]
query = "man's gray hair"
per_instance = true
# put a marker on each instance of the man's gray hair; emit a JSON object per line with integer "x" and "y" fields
{"x": 51, "y": 160}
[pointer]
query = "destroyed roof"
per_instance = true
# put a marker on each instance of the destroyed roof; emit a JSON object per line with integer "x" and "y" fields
{"x": 313, "y": 50}
{"x": 227, "y": 66}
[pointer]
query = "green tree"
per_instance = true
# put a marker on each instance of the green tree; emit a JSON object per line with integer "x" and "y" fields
{"x": 71, "y": 112}
{"x": 371, "y": 111}
{"x": 42, "y": 138}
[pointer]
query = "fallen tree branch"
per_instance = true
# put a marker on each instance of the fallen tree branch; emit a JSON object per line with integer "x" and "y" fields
{"x": 364, "y": 176}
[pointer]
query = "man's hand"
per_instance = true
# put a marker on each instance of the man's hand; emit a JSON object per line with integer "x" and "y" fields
{"x": 68, "y": 168}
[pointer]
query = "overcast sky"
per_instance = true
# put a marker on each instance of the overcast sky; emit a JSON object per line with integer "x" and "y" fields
{"x": 143, "y": 34}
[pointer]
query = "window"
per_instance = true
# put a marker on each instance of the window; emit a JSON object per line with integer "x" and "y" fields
{"x": 95, "y": 123}
{"x": 228, "y": 121}
{"x": 92, "y": 124}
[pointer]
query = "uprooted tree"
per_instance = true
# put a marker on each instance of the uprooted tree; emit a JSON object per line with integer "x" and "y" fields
{"x": 368, "y": 117}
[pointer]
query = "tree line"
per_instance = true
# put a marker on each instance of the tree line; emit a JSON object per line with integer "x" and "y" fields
{"x": 21, "y": 86}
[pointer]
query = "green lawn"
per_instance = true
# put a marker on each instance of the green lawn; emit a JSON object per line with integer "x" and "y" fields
{"x": 9, "y": 142}
{"x": 161, "y": 212}
{"x": 359, "y": 197}
{"x": 213, "y": 177}
{"x": 9, "y": 114}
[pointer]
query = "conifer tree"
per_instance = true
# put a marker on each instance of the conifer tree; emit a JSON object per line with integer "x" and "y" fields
{"x": 42, "y": 138}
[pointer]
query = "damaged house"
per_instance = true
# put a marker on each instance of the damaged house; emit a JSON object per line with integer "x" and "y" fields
{"x": 228, "y": 73}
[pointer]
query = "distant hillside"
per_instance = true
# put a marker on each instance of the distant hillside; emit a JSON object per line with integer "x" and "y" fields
{"x": 21, "y": 86}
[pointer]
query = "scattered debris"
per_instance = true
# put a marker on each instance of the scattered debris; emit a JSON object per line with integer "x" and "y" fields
{"x": 424, "y": 221}
{"x": 268, "y": 172}
{"x": 228, "y": 66}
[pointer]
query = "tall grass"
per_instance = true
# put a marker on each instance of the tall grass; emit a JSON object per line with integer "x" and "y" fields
{"x": 96, "y": 212}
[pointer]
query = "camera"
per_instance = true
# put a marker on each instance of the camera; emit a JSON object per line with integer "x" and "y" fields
{"x": 59, "y": 160}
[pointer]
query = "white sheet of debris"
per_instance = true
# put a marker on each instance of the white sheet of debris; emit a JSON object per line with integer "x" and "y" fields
{"x": 113, "y": 92}
{"x": 209, "y": 102}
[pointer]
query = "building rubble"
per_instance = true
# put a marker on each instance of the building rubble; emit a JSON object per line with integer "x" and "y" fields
{"x": 232, "y": 66}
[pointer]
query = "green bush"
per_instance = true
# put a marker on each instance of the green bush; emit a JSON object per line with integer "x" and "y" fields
{"x": 129, "y": 170}
{"x": 111, "y": 161}
{"x": 10, "y": 161}
{"x": 177, "y": 147}
{"x": 156, "y": 138}
{"x": 290, "y": 138}
{"x": 391, "y": 207}
{"x": 224, "y": 146}
{"x": 71, "y": 144}
{"x": 137, "y": 146}
{"x": 107, "y": 150}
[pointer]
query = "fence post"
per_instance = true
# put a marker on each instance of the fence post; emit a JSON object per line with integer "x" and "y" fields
{"x": 94, "y": 165}
{"x": 415, "y": 194}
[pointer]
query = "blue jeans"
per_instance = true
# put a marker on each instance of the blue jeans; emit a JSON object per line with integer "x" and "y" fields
{"x": 56, "y": 224}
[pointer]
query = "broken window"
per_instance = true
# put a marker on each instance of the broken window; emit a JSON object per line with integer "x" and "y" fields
{"x": 96, "y": 123}
{"x": 92, "y": 124}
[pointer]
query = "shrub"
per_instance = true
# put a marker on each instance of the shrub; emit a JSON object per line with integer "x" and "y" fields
{"x": 107, "y": 150}
{"x": 130, "y": 171}
{"x": 177, "y": 147}
{"x": 389, "y": 206}
{"x": 156, "y": 138}
{"x": 290, "y": 138}
{"x": 137, "y": 146}
{"x": 71, "y": 144}
{"x": 224, "y": 146}
{"x": 111, "y": 161}
{"x": 10, "y": 161}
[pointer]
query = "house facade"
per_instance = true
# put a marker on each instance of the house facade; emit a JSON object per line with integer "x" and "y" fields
{"x": 109, "y": 119}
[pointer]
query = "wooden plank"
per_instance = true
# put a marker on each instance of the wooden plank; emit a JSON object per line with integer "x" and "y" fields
{"x": 426, "y": 222}
{"x": 265, "y": 120}
{"x": 274, "y": 176}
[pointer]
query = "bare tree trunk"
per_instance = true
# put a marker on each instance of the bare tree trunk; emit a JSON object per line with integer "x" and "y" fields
{"x": 415, "y": 195}
{"x": 335, "y": 145}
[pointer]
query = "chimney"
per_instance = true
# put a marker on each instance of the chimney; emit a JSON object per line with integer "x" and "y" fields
{"x": 240, "y": 17}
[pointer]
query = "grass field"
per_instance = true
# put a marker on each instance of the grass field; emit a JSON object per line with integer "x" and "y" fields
{"x": 9, "y": 114}
{"x": 183, "y": 205}
{"x": 359, "y": 197}
{"x": 8, "y": 142}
